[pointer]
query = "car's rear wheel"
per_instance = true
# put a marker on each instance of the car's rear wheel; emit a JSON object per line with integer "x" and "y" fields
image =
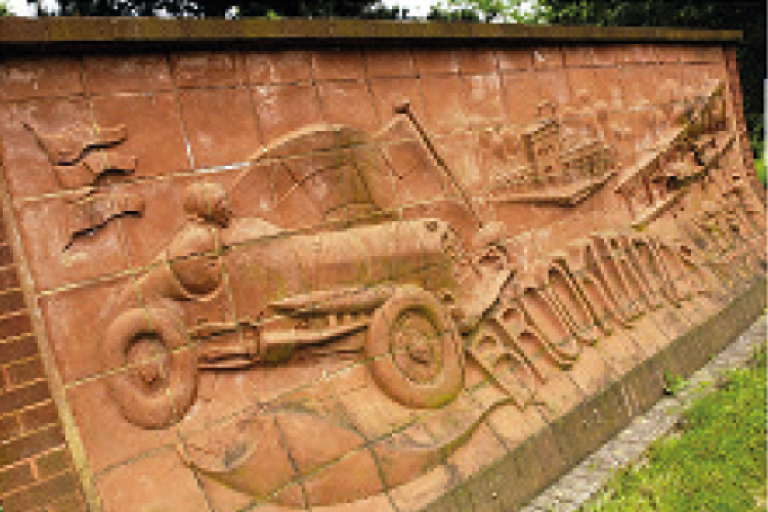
{"x": 152, "y": 367}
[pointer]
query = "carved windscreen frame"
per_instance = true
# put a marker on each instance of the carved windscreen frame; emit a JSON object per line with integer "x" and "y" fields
{"x": 352, "y": 279}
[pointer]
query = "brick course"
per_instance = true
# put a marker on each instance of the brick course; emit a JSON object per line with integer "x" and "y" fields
{"x": 42, "y": 493}
{"x": 25, "y": 371}
{"x": 19, "y": 398}
{"x": 15, "y": 324}
{"x": 30, "y": 445}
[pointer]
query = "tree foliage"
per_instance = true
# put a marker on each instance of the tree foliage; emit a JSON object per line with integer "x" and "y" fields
{"x": 382, "y": 12}
{"x": 749, "y": 16}
{"x": 487, "y": 11}
{"x": 231, "y": 8}
{"x": 4, "y": 10}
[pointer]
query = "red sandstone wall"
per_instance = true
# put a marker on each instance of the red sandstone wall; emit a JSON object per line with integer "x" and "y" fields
{"x": 204, "y": 114}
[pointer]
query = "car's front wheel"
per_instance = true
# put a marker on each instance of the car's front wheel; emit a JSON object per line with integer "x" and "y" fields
{"x": 414, "y": 350}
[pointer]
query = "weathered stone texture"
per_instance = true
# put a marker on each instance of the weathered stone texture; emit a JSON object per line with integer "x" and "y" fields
{"x": 341, "y": 275}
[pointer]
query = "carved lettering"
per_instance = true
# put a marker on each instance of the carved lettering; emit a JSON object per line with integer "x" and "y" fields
{"x": 492, "y": 347}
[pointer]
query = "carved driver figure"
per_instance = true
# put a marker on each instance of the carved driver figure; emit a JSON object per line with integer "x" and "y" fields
{"x": 195, "y": 252}
{"x": 207, "y": 202}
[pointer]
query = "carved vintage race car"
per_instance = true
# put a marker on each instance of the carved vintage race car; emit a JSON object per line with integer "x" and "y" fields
{"x": 232, "y": 292}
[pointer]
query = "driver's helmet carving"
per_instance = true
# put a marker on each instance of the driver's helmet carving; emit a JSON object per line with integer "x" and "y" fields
{"x": 207, "y": 203}
{"x": 195, "y": 253}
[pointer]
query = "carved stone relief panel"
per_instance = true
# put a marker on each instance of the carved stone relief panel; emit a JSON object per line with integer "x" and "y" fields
{"x": 350, "y": 290}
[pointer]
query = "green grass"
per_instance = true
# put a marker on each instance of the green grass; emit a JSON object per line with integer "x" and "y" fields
{"x": 759, "y": 148}
{"x": 714, "y": 462}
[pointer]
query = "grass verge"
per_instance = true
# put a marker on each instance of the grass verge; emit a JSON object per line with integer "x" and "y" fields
{"x": 759, "y": 147}
{"x": 715, "y": 461}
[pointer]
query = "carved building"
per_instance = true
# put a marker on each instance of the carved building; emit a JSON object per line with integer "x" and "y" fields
{"x": 541, "y": 144}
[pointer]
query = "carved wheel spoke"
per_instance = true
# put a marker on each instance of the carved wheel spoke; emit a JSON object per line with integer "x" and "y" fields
{"x": 416, "y": 346}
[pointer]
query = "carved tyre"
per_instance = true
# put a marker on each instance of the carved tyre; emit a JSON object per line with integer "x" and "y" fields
{"x": 154, "y": 379}
{"x": 414, "y": 350}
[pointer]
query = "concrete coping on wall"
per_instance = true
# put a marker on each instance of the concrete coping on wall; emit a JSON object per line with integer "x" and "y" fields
{"x": 25, "y": 35}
